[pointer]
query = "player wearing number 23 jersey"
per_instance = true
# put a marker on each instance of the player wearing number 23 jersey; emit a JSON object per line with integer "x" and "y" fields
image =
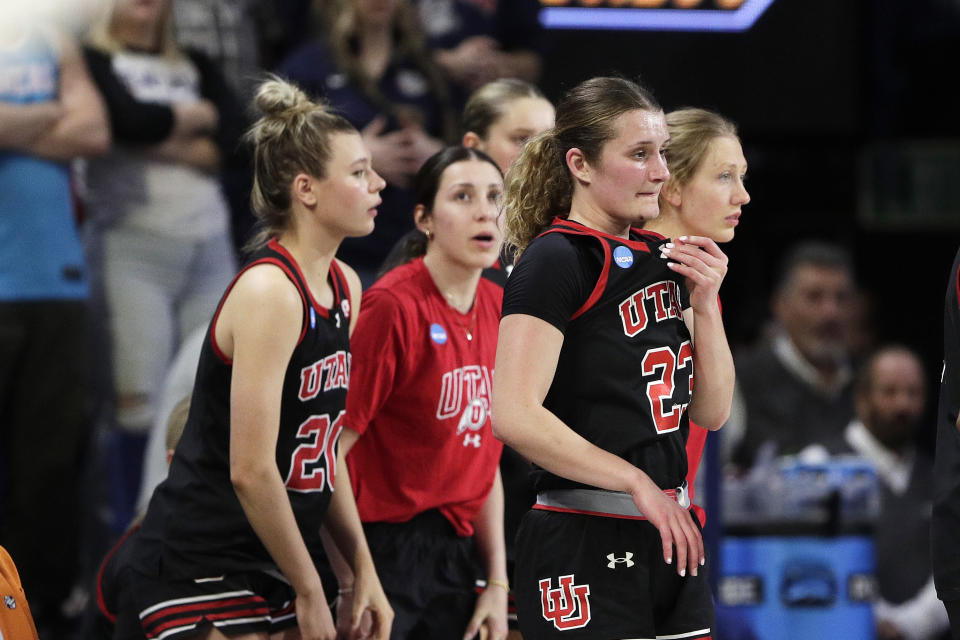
{"x": 625, "y": 373}
{"x": 623, "y": 381}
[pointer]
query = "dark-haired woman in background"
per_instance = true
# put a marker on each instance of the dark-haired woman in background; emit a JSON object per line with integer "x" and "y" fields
{"x": 423, "y": 458}
{"x": 227, "y": 542}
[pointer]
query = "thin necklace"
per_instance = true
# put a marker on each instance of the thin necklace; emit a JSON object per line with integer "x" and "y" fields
{"x": 473, "y": 318}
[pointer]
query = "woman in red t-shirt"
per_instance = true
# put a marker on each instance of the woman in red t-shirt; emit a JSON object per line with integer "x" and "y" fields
{"x": 702, "y": 197}
{"x": 423, "y": 458}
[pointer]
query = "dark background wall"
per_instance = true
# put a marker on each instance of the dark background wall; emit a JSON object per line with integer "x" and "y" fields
{"x": 814, "y": 86}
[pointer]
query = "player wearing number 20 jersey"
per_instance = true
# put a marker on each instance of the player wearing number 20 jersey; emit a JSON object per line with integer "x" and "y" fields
{"x": 195, "y": 524}
{"x": 625, "y": 373}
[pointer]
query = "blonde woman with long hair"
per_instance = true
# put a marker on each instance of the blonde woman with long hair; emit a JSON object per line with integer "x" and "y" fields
{"x": 227, "y": 544}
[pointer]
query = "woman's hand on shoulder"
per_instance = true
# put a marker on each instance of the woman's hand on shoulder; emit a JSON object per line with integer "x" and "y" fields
{"x": 674, "y": 523}
{"x": 701, "y": 262}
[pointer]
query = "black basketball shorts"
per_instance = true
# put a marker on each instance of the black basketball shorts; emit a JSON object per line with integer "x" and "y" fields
{"x": 249, "y": 602}
{"x": 604, "y": 578}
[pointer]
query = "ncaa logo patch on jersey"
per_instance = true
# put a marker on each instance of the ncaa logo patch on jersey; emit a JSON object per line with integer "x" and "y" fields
{"x": 313, "y": 318}
{"x": 623, "y": 257}
{"x": 438, "y": 334}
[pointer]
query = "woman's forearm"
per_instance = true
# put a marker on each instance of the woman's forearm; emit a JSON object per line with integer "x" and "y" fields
{"x": 713, "y": 372}
{"x": 267, "y": 507}
{"x": 489, "y": 536}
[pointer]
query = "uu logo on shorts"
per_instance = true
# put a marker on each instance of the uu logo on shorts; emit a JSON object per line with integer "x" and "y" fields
{"x": 623, "y": 257}
{"x": 438, "y": 334}
{"x": 567, "y": 606}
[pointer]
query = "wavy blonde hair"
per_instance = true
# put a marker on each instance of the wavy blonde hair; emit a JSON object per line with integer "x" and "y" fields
{"x": 539, "y": 186}
{"x": 292, "y": 136}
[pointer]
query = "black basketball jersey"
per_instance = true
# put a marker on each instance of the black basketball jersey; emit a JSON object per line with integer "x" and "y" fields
{"x": 625, "y": 371}
{"x": 195, "y": 524}
{"x": 946, "y": 473}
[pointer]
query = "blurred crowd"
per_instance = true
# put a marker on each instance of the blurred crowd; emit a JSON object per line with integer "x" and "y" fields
{"x": 124, "y": 212}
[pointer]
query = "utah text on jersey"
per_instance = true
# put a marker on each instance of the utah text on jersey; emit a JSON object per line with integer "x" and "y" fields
{"x": 662, "y": 299}
{"x": 465, "y": 392}
{"x": 331, "y": 372}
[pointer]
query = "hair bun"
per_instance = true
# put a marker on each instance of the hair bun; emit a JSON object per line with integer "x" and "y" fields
{"x": 276, "y": 97}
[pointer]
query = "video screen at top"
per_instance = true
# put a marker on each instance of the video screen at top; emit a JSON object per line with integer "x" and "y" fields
{"x": 652, "y": 15}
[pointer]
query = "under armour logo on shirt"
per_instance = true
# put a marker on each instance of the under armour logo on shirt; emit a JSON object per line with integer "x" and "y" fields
{"x": 614, "y": 560}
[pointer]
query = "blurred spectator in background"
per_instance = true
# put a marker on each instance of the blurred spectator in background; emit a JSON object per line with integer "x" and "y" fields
{"x": 889, "y": 396}
{"x": 231, "y": 33}
{"x": 373, "y": 67}
{"x": 228, "y": 32}
{"x": 795, "y": 388}
{"x": 50, "y": 113}
{"x": 477, "y": 41}
{"x": 158, "y": 235}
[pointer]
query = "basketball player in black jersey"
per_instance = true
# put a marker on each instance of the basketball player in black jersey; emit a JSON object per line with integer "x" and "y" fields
{"x": 945, "y": 526}
{"x": 226, "y": 545}
{"x": 595, "y": 376}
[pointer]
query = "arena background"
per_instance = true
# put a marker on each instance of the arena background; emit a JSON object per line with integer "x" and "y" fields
{"x": 850, "y": 129}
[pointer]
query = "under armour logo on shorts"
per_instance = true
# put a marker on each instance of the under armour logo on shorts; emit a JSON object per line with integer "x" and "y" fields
{"x": 614, "y": 560}
{"x": 10, "y": 602}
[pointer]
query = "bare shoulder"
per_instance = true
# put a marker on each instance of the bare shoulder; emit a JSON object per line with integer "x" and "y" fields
{"x": 266, "y": 289}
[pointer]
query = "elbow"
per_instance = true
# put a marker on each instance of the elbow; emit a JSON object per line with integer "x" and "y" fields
{"x": 500, "y": 422}
{"x": 98, "y": 141}
{"x": 244, "y": 476}
{"x": 710, "y": 420}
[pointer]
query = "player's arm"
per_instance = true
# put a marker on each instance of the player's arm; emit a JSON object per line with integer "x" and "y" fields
{"x": 260, "y": 325}
{"x": 82, "y": 129}
{"x": 359, "y": 587}
{"x": 528, "y": 350}
{"x": 491, "y": 608}
{"x": 22, "y": 125}
{"x": 704, "y": 266}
